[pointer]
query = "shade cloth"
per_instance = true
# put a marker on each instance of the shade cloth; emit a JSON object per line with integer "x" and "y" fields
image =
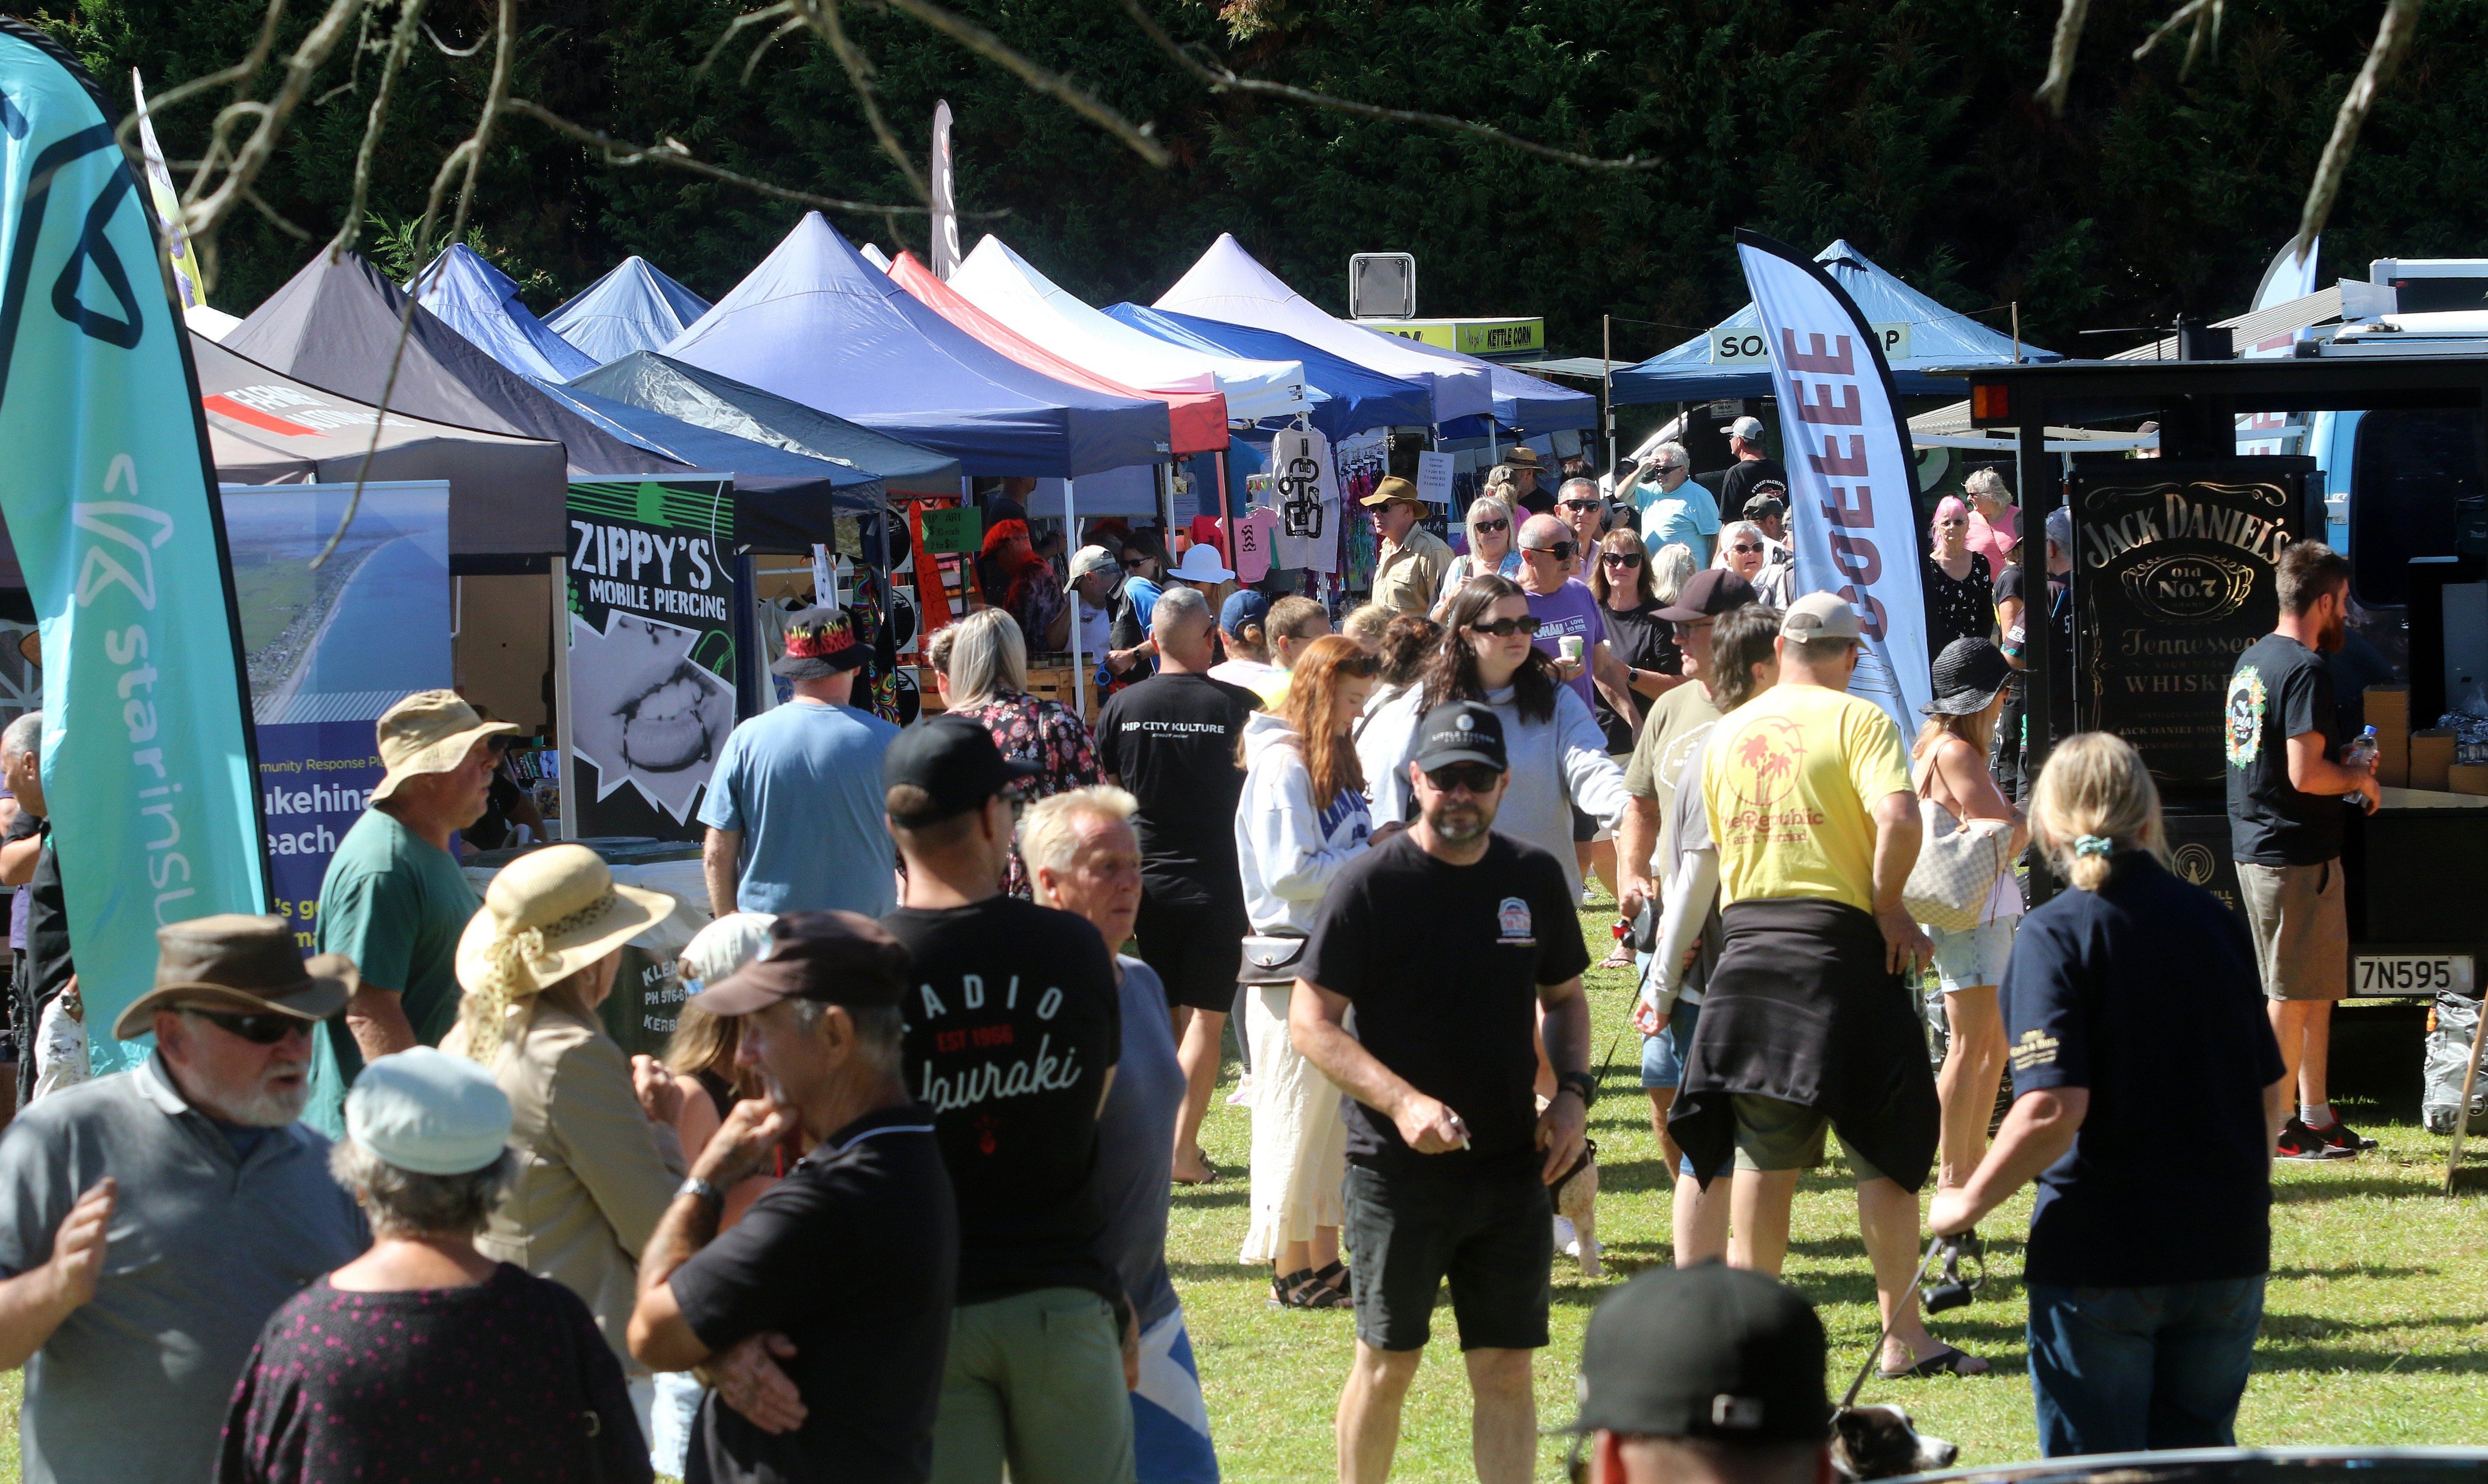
{"x": 1347, "y": 398}
{"x": 689, "y": 394}
{"x": 481, "y": 303}
{"x": 636, "y": 307}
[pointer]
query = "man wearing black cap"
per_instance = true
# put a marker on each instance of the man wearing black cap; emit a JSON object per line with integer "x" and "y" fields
{"x": 1014, "y": 1029}
{"x": 1707, "y": 1375}
{"x": 848, "y": 1262}
{"x": 1448, "y": 938}
{"x": 794, "y": 808}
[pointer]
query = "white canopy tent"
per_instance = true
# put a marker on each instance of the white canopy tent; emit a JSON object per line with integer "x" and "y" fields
{"x": 1004, "y": 284}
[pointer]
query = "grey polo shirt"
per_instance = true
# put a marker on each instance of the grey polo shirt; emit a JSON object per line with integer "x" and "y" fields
{"x": 202, "y": 1249}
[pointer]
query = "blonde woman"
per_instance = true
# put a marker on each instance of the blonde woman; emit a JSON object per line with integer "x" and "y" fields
{"x": 1492, "y": 546}
{"x": 599, "y": 1159}
{"x": 1992, "y": 531}
{"x": 2151, "y": 1092}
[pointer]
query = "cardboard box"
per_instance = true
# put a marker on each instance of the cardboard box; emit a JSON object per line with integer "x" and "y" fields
{"x": 2431, "y": 758}
{"x": 2388, "y": 708}
{"x": 2392, "y": 758}
{"x": 2467, "y": 779}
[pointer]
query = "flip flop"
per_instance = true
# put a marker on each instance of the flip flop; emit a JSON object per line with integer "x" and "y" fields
{"x": 1945, "y": 1361}
{"x": 1211, "y": 1177}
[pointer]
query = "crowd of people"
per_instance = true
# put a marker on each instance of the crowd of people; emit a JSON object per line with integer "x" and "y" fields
{"x": 893, "y": 1204}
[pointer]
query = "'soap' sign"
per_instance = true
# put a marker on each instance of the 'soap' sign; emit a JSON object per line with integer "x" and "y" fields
{"x": 1746, "y": 346}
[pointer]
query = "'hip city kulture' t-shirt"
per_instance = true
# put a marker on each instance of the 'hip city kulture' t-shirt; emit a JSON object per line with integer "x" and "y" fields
{"x": 2280, "y": 689}
{"x": 1170, "y": 741}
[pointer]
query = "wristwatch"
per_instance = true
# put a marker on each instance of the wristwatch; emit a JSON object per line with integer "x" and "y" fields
{"x": 1581, "y": 1084}
{"x": 695, "y": 1186}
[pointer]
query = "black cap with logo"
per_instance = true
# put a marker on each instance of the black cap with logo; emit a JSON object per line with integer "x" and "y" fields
{"x": 1707, "y": 1352}
{"x": 1459, "y": 732}
{"x": 954, "y": 761}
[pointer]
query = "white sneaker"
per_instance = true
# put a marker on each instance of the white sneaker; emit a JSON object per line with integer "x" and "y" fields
{"x": 1567, "y": 1241}
{"x": 1589, "y": 895}
{"x": 1242, "y": 1096}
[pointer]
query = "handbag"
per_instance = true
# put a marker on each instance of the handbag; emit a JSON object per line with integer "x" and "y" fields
{"x": 1957, "y": 869}
{"x": 1271, "y": 959}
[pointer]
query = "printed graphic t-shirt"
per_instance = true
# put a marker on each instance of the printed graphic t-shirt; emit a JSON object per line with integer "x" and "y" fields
{"x": 1570, "y": 609}
{"x": 1443, "y": 964}
{"x": 1171, "y": 740}
{"x": 1790, "y": 782}
{"x": 2280, "y": 689}
{"x": 1013, "y": 1022}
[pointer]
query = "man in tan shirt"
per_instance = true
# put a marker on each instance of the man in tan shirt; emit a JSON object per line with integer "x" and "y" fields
{"x": 1412, "y": 559}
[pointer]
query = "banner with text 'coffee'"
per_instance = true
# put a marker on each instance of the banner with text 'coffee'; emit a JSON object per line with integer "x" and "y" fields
{"x": 1851, "y": 476}
{"x": 651, "y": 652}
{"x": 110, "y": 503}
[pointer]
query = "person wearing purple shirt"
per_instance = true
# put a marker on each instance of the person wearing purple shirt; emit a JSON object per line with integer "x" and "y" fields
{"x": 1562, "y": 605}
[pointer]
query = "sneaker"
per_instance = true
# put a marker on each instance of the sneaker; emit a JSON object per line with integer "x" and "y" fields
{"x": 1242, "y": 1096}
{"x": 1567, "y": 1241}
{"x": 1589, "y": 895}
{"x": 2298, "y": 1141}
{"x": 2349, "y": 1141}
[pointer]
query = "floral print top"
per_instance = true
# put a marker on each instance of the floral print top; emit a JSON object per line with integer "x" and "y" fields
{"x": 1029, "y": 729}
{"x": 1963, "y": 607}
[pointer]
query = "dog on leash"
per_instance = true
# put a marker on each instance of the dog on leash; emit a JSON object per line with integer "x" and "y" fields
{"x": 1880, "y": 1441}
{"x": 1576, "y": 1201}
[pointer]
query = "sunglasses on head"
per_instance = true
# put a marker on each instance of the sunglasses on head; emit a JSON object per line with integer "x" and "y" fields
{"x": 264, "y": 1029}
{"x": 1476, "y": 778}
{"x": 1621, "y": 558}
{"x": 1505, "y": 628}
{"x": 1493, "y": 525}
{"x": 1561, "y": 551}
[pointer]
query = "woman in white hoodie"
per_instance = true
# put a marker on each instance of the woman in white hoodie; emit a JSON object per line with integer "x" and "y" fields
{"x": 1302, "y": 818}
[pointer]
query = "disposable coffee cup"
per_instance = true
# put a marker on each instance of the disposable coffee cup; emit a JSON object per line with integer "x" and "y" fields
{"x": 1569, "y": 647}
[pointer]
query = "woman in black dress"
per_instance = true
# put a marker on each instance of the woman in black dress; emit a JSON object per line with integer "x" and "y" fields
{"x": 1960, "y": 588}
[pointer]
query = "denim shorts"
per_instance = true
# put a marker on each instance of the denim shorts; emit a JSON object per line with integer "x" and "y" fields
{"x": 1662, "y": 1056}
{"x": 1967, "y": 956}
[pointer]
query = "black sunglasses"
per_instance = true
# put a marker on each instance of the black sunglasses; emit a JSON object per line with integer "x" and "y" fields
{"x": 1561, "y": 551}
{"x": 1621, "y": 558}
{"x": 1503, "y": 628}
{"x": 1580, "y": 504}
{"x": 265, "y": 1029}
{"x": 1493, "y": 525}
{"x": 1476, "y": 778}
{"x": 1744, "y": 548}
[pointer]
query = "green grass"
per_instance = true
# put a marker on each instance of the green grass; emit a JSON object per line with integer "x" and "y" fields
{"x": 2375, "y": 1327}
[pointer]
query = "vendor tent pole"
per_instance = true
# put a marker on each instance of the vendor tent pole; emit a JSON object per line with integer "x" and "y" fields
{"x": 2017, "y": 332}
{"x": 1079, "y": 668}
{"x": 1607, "y": 381}
{"x": 1226, "y": 542}
{"x": 568, "y": 825}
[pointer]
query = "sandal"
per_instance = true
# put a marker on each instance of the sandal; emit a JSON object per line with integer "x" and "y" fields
{"x": 1209, "y": 1175}
{"x": 1947, "y": 1360}
{"x": 1335, "y": 1278}
{"x": 1622, "y": 957}
{"x": 1284, "y": 1291}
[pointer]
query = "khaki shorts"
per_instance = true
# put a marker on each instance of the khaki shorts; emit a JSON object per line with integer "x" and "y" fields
{"x": 1773, "y": 1135}
{"x": 2300, "y": 920}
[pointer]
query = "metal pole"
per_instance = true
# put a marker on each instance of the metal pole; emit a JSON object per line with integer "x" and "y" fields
{"x": 2038, "y": 616}
{"x": 1607, "y": 377}
{"x": 1079, "y": 671}
{"x": 568, "y": 825}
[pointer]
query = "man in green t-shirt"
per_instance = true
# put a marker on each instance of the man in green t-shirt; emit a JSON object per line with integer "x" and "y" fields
{"x": 394, "y": 900}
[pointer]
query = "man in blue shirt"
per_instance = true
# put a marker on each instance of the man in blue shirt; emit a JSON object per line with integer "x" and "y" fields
{"x": 794, "y": 810}
{"x": 1674, "y": 509}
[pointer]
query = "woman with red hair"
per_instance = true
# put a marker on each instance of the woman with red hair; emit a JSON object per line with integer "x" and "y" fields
{"x": 1023, "y": 586}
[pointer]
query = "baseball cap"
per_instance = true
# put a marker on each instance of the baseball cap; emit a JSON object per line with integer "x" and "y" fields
{"x": 1708, "y": 593}
{"x": 1391, "y": 488}
{"x": 1243, "y": 606}
{"x": 1091, "y": 559}
{"x": 1821, "y": 616}
{"x": 1709, "y": 1352}
{"x": 1459, "y": 732}
{"x": 1750, "y": 428}
{"x": 832, "y": 957}
{"x": 954, "y": 760}
{"x": 2060, "y": 528}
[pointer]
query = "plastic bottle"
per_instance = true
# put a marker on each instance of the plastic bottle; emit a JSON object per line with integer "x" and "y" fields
{"x": 2361, "y": 754}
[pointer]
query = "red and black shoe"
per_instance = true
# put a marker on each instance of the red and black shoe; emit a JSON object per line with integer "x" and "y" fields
{"x": 2298, "y": 1141}
{"x": 2341, "y": 1136}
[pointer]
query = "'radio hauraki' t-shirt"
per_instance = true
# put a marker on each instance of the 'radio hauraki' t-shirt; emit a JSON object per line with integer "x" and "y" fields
{"x": 2280, "y": 689}
{"x": 1013, "y": 1020}
{"x": 1443, "y": 964}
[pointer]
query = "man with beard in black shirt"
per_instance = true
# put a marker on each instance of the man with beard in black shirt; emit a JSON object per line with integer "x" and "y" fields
{"x": 1448, "y": 939}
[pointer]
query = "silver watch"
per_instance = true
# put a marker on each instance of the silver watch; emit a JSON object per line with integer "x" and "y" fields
{"x": 695, "y": 1186}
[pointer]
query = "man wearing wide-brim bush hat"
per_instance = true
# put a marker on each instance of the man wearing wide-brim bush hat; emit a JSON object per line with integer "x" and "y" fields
{"x": 394, "y": 900}
{"x": 1410, "y": 563}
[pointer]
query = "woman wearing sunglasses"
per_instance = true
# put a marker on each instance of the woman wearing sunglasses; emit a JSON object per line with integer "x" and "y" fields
{"x": 1961, "y": 587}
{"x": 1747, "y": 552}
{"x": 1491, "y": 549}
{"x": 1622, "y": 580}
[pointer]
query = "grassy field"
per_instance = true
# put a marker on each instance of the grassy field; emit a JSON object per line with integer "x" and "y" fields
{"x": 2375, "y": 1328}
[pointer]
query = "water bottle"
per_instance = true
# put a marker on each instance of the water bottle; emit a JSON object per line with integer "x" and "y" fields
{"x": 2360, "y": 753}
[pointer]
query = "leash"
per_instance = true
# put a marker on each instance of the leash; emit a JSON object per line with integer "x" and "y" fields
{"x": 1908, "y": 1299}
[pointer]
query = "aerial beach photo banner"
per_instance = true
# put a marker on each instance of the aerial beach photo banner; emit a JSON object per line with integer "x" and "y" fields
{"x": 110, "y": 503}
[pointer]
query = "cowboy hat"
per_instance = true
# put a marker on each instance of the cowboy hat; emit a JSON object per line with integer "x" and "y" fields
{"x": 549, "y": 915}
{"x": 428, "y": 732}
{"x": 235, "y": 964}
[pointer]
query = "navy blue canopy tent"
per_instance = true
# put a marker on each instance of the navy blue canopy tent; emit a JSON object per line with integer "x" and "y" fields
{"x": 636, "y": 307}
{"x": 1937, "y": 337}
{"x": 480, "y": 302}
{"x": 1348, "y": 398}
{"x": 648, "y": 380}
{"x": 817, "y": 324}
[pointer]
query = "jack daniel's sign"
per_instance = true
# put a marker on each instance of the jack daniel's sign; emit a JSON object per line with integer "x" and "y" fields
{"x": 2172, "y": 580}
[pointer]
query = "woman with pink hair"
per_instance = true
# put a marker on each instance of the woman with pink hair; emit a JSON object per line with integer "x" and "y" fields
{"x": 1961, "y": 588}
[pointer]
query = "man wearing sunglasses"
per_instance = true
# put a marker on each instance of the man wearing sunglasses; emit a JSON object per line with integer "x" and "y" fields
{"x": 1675, "y": 511}
{"x": 152, "y": 1220}
{"x": 1412, "y": 559}
{"x": 1551, "y": 553}
{"x": 1449, "y": 940}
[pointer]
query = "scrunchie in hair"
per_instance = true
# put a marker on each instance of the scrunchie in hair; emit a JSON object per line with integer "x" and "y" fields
{"x": 2094, "y": 845}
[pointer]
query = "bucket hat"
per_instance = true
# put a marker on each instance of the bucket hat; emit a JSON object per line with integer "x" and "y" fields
{"x": 428, "y": 732}
{"x": 238, "y": 964}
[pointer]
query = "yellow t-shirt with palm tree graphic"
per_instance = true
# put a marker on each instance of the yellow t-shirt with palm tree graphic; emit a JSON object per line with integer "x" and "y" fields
{"x": 1790, "y": 780}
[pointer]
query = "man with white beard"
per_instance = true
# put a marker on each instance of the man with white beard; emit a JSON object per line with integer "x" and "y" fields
{"x": 152, "y": 1220}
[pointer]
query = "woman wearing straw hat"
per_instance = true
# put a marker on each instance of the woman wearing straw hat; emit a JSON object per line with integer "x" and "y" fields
{"x": 598, "y": 1156}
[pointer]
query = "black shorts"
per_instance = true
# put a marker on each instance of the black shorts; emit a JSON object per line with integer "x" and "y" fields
{"x": 1193, "y": 946}
{"x": 1489, "y": 1231}
{"x": 1585, "y": 826}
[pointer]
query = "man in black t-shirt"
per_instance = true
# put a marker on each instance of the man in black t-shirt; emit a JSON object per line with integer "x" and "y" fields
{"x": 1447, "y": 939}
{"x": 1170, "y": 741}
{"x": 1752, "y": 469}
{"x": 2286, "y": 790}
{"x": 1014, "y": 1025}
{"x": 845, "y": 1267}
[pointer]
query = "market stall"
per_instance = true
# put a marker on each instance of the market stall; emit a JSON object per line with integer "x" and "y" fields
{"x": 634, "y": 307}
{"x": 482, "y": 303}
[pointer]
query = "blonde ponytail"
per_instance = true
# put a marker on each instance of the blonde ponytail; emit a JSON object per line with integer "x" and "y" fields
{"x": 2095, "y": 799}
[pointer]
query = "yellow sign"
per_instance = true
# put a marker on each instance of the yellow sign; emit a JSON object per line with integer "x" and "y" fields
{"x": 1469, "y": 337}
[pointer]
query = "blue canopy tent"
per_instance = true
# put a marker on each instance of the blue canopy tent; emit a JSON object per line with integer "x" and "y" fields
{"x": 1348, "y": 398}
{"x": 636, "y": 307}
{"x": 481, "y": 303}
{"x": 1937, "y": 337}
{"x": 649, "y": 381}
{"x": 817, "y": 324}
{"x": 1522, "y": 402}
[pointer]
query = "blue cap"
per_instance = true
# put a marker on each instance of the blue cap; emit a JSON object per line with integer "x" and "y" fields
{"x": 1243, "y": 606}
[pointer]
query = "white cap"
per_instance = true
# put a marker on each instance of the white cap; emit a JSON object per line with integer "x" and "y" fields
{"x": 1090, "y": 559}
{"x": 1750, "y": 428}
{"x": 727, "y": 945}
{"x": 430, "y": 1113}
{"x": 1821, "y": 616}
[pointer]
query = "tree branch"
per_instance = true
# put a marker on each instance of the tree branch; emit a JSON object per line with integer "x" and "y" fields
{"x": 822, "y": 16}
{"x": 984, "y": 44}
{"x": 1221, "y": 80}
{"x": 242, "y": 175}
{"x": 2061, "y": 56}
{"x": 410, "y": 20}
{"x": 2383, "y": 59}
{"x": 672, "y": 153}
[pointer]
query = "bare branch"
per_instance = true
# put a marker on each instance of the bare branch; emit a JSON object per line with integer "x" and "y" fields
{"x": 207, "y": 215}
{"x": 2206, "y": 17}
{"x": 400, "y": 44}
{"x": 447, "y": 50}
{"x": 672, "y": 154}
{"x": 751, "y": 63}
{"x": 239, "y": 73}
{"x": 984, "y": 44}
{"x": 2061, "y": 56}
{"x": 1222, "y": 80}
{"x": 736, "y": 27}
{"x": 822, "y": 16}
{"x": 2384, "y": 58}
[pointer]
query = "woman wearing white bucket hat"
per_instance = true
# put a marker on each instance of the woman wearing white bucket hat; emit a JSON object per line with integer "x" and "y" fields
{"x": 598, "y": 1156}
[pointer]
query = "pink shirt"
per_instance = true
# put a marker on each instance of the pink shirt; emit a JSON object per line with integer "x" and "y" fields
{"x": 1993, "y": 540}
